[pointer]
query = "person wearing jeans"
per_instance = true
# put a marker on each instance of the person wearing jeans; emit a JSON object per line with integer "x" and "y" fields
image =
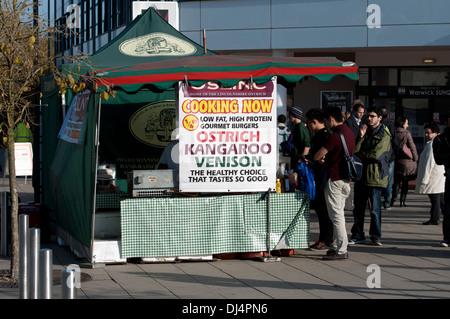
{"x": 374, "y": 148}
{"x": 373, "y": 194}
{"x": 387, "y": 192}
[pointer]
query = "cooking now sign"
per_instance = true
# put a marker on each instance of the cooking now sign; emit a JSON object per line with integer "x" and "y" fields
{"x": 228, "y": 137}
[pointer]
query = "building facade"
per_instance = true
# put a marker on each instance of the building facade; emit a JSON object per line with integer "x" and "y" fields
{"x": 401, "y": 46}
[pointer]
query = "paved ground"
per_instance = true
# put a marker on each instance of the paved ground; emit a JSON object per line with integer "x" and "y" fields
{"x": 411, "y": 265}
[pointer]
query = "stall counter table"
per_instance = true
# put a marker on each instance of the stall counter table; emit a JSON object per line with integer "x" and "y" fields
{"x": 180, "y": 226}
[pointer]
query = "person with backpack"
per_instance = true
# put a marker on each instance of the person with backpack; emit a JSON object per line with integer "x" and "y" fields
{"x": 337, "y": 186}
{"x": 316, "y": 123}
{"x": 374, "y": 148}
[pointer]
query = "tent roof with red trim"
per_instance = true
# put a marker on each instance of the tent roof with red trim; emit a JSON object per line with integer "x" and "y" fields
{"x": 225, "y": 69}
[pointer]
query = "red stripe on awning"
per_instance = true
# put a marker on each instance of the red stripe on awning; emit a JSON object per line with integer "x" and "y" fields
{"x": 275, "y": 71}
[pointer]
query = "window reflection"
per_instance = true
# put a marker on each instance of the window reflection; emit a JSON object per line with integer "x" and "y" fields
{"x": 384, "y": 76}
{"x": 438, "y": 76}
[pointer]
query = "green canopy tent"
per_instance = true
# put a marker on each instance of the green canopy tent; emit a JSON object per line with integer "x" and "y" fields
{"x": 67, "y": 184}
{"x": 147, "y": 38}
{"x": 134, "y": 127}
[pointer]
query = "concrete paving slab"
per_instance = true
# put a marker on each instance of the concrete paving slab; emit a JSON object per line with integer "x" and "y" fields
{"x": 411, "y": 264}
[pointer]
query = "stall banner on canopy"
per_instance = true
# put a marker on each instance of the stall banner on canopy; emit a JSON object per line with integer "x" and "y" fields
{"x": 228, "y": 137}
{"x": 73, "y": 127}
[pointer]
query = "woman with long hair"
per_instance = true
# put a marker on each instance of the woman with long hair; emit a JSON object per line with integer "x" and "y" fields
{"x": 405, "y": 164}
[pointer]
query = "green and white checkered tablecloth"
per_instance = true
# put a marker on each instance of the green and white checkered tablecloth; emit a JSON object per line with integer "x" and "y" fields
{"x": 180, "y": 226}
{"x": 108, "y": 200}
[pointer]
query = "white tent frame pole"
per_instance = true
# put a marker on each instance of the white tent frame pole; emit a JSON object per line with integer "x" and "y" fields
{"x": 97, "y": 144}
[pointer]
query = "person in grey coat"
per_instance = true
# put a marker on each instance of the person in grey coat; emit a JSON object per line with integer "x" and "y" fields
{"x": 405, "y": 168}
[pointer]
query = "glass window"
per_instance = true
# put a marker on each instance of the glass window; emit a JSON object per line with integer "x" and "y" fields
{"x": 416, "y": 110}
{"x": 384, "y": 76}
{"x": 59, "y": 36}
{"x": 122, "y": 12}
{"x": 418, "y": 113}
{"x": 87, "y": 19}
{"x": 114, "y": 15}
{"x": 429, "y": 76}
{"x": 389, "y": 103}
{"x": 363, "y": 76}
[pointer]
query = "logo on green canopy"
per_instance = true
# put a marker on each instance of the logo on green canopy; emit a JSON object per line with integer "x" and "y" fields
{"x": 157, "y": 44}
{"x": 153, "y": 123}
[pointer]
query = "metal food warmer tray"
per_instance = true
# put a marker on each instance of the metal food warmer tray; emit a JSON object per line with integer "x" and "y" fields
{"x": 153, "y": 183}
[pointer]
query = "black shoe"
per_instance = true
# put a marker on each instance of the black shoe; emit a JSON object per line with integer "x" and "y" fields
{"x": 332, "y": 255}
{"x": 431, "y": 222}
{"x": 403, "y": 201}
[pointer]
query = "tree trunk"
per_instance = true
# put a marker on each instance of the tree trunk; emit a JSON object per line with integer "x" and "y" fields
{"x": 14, "y": 206}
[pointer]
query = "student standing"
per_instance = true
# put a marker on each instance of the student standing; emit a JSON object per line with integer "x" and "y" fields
{"x": 299, "y": 140}
{"x": 315, "y": 123}
{"x": 430, "y": 176}
{"x": 373, "y": 147}
{"x": 405, "y": 168}
{"x": 355, "y": 120}
{"x": 337, "y": 188}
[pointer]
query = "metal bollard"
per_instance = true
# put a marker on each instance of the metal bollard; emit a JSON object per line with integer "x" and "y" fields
{"x": 45, "y": 273}
{"x": 35, "y": 244}
{"x": 4, "y": 223}
{"x": 68, "y": 283}
{"x": 24, "y": 257}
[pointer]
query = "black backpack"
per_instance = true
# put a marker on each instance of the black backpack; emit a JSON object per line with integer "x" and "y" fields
{"x": 354, "y": 167}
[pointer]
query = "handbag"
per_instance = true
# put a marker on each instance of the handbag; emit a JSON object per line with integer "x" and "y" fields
{"x": 354, "y": 167}
{"x": 306, "y": 176}
{"x": 406, "y": 151}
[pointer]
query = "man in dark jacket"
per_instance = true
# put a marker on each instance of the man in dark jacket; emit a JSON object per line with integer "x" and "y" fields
{"x": 356, "y": 119}
{"x": 354, "y": 122}
{"x": 386, "y": 193}
{"x": 441, "y": 152}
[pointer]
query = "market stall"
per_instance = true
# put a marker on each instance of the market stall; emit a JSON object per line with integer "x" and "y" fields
{"x": 203, "y": 226}
{"x": 127, "y": 134}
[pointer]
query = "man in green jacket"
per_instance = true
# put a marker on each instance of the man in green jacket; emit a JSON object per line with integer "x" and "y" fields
{"x": 373, "y": 147}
